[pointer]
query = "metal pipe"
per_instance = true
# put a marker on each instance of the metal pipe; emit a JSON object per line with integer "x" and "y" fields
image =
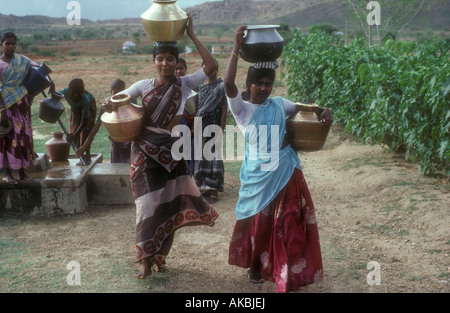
{"x": 63, "y": 127}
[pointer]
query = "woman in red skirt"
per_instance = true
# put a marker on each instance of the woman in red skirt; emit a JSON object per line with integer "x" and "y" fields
{"x": 276, "y": 236}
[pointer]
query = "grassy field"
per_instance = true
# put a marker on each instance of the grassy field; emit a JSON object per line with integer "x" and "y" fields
{"x": 98, "y": 72}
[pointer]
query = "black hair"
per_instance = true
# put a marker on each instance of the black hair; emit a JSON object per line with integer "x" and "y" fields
{"x": 255, "y": 74}
{"x": 76, "y": 84}
{"x": 118, "y": 85}
{"x": 8, "y": 35}
{"x": 173, "y": 50}
{"x": 182, "y": 61}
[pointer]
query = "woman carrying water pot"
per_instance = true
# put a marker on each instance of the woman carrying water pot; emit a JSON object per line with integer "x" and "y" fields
{"x": 275, "y": 236}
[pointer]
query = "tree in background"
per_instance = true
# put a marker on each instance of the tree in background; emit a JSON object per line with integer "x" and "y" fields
{"x": 395, "y": 15}
{"x": 137, "y": 38}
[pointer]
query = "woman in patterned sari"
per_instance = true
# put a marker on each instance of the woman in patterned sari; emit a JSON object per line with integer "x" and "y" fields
{"x": 165, "y": 192}
{"x": 212, "y": 108}
{"x": 16, "y": 147}
{"x": 275, "y": 236}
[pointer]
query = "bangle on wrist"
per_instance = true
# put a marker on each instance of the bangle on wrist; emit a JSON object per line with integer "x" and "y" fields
{"x": 233, "y": 53}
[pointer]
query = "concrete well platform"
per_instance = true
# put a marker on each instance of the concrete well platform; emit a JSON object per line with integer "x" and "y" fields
{"x": 56, "y": 188}
{"x": 109, "y": 184}
{"x": 59, "y": 188}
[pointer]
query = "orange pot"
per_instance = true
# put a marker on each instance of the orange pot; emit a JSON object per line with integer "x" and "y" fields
{"x": 58, "y": 148}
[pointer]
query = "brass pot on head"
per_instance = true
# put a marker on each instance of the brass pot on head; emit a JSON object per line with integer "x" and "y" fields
{"x": 164, "y": 21}
{"x": 304, "y": 131}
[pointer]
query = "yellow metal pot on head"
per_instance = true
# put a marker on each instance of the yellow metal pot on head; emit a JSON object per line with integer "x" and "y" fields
{"x": 164, "y": 21}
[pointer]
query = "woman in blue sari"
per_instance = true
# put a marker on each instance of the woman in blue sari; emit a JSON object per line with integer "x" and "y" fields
{"x": 16, "y": 146}
{"x": 276, "y": 235}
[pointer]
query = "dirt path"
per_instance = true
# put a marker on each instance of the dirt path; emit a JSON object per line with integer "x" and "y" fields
{"x": 371, "y": 206}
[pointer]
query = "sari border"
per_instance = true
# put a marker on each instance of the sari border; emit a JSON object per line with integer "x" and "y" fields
{"x": 186, "y": 217}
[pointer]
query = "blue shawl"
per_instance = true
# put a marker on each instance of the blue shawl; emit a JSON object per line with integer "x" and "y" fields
{"x": 11, "y": 89}
{"x": 266, "y": 168}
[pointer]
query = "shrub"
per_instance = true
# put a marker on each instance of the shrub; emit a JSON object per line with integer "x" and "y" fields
{"x": 397, "y": 95}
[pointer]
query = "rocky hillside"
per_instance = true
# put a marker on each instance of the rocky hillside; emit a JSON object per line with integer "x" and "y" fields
{"x": 434, "y": 14}
{"x": 303, "y": 13}
{"x": 248, "y": 11}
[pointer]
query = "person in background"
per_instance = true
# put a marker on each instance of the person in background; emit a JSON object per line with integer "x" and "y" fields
{"x": 212, "y": 109}
{"x": 276, "y": 236}
{"x": 83, "y": 112}
{"x": 120, "y": 151}
{"x": 187, "y": 118}
{"x": 16, "y": 136}
{"x": 181, "y": 68}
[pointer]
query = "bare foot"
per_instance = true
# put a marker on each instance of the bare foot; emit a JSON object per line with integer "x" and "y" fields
{"x": 254, "y": 277}
{"x": 145, "y": 270}
{"x": 9, "y": 178}
{"x": 159, "y": 268}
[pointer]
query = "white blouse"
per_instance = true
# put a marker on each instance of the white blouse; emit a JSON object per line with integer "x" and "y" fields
{"x": 243, "y": 110}
{"x": 188, "y": 82}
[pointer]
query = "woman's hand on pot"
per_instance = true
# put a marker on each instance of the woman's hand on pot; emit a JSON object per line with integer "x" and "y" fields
{"x": 239, "y": 35}
{"x": 108, "y": 105}
{"x": 327, "y": 118}
{"x": 190, "y": 26}
{"x": 52, "y": 87}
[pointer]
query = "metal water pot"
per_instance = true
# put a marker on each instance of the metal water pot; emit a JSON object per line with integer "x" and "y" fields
{"x": 51, "y": 108}
{"x": 37, "y": 79}
{"x": 304, "y": 131}
{"x": 124, "y": 123}
{"x": 261, "y": 43}
{"x": 164, "y": 21}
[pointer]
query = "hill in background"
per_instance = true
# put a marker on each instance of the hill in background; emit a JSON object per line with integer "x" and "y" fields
{"x": 295, "y": 13}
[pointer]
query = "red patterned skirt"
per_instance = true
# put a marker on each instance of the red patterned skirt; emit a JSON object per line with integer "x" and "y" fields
{"x": 281, "y": 243}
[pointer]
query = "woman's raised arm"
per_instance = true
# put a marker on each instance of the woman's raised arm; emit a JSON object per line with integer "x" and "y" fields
{"x": 208, "y": 60}
{"x": 230, "y": 72}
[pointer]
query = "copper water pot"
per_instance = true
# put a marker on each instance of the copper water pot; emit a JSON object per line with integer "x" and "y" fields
{"x": 58, "y": 149}
{"x": 164, "y": 21}
{"x": 124, "y": 123}
{"x": 304, "y": 131}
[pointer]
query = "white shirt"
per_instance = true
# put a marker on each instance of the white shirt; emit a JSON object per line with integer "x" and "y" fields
{"x": 188, "y": 82}
{"x": 243, "y": 110}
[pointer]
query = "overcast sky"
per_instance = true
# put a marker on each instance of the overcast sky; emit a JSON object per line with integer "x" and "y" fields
{"x": 90, "y": 9}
